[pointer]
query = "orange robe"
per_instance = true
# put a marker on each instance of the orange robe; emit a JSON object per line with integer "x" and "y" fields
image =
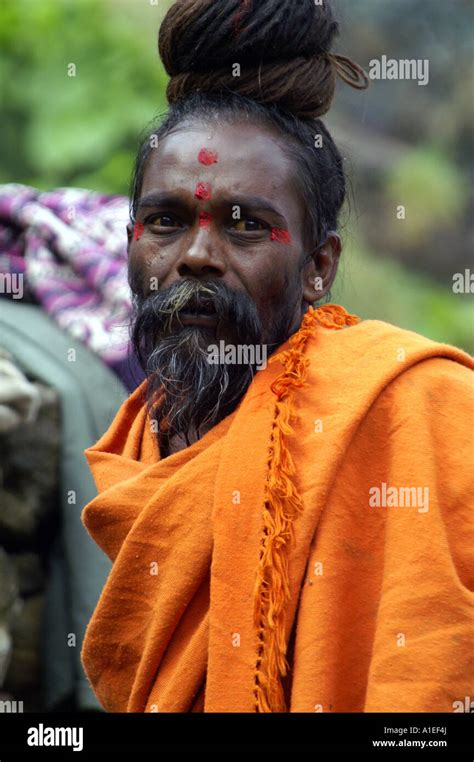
{"x": 312, "y": 552}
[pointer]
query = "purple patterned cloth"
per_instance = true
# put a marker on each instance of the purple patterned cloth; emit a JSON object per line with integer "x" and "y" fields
{"x": 70, "y": 246}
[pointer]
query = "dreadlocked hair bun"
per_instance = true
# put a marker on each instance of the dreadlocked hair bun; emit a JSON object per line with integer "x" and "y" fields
{"x": 282, "y": 48}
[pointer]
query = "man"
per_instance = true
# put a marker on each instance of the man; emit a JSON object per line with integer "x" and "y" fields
{"x": 294, "y": 537}
{"x": 207, "y": 586}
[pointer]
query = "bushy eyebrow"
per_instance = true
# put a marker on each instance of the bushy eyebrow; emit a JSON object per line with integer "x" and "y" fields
{"x": 157, "y": 198}
{"x": 253, "y": 203}
{"x": 247, "y": 203}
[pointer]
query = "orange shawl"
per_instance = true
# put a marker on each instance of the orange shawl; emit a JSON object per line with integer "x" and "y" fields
{"x": 253, "y": 572}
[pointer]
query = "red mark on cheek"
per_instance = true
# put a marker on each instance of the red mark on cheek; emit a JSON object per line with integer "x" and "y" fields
{"x": 203, "y": 191}
{"x": 207, "y": 157}
{"x": 205, "y": 220}
{"x": 280, "y": 235}
{"x": 138, "y": 229}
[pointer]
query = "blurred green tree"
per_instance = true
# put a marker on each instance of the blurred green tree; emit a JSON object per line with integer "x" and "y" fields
{"x": 79, "y": 81}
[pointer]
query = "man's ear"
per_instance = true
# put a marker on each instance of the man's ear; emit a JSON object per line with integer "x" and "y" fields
{"x": 129, "y": 235}
{"x": 319, "y": 273}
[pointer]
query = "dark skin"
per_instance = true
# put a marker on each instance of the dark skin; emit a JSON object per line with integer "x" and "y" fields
{"x": 251, "y": 163}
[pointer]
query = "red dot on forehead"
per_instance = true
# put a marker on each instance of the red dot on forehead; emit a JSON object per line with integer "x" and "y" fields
{"x": 280, "y": 235}
{"x": 207, "y": 157}
{"x": 205, "y": 219}
{"x": 203, "y": 191}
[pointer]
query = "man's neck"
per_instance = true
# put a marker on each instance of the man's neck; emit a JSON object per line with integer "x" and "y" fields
{"x": 170, "y": 445}
{"x": 175, "y": 444}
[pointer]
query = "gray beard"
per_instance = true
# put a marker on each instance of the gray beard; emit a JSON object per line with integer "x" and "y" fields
{"x": 186, "y": 394}
{"x": 197, "y": 393}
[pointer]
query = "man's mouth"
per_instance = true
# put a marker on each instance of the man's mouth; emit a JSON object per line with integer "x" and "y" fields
{"x": 198, "y": 318}
{"x": 200, "y": 312}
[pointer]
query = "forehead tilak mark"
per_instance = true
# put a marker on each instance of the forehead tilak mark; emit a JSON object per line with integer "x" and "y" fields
{"x": 205, "y": 220}
{"x": 203, "y": 191}
{"x": 208, "y": 157}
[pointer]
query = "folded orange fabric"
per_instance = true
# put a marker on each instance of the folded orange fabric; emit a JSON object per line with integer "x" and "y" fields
{"x": 312, "y": 552}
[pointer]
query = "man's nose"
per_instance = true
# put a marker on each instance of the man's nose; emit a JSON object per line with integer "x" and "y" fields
{"x": 202, "y": 256}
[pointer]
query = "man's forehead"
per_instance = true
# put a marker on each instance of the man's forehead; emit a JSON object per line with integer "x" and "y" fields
{"x": 241, "y": 154}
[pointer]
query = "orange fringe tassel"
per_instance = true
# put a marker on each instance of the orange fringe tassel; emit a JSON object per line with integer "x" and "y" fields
{"x": 282, "y": 505}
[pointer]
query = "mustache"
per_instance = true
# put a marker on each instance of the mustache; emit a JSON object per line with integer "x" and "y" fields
{"x": 157, "y": 313}
{"x": 190, "y": 296}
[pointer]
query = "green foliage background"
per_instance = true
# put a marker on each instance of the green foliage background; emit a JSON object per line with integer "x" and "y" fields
{"x": 77, "y": 130}
{"x": 57, "y": 130}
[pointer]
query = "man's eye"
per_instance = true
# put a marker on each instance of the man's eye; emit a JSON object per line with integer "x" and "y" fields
{"x": 162, "y": 221}
{"x": 248, "y": 226}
